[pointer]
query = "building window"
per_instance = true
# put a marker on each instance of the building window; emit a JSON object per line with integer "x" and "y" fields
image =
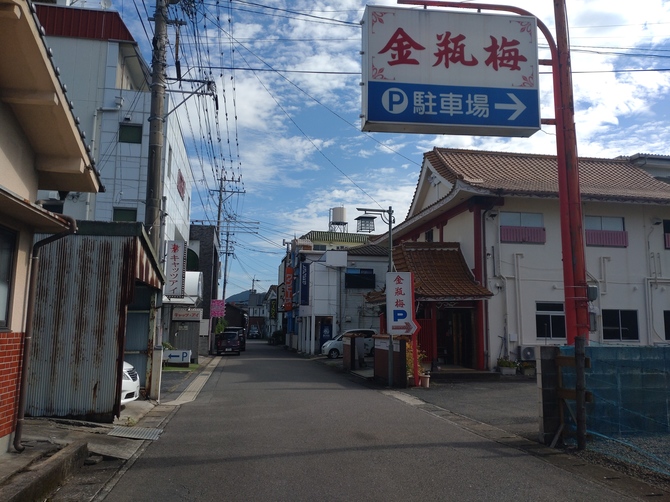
{"x": 429, "y": 236}
{"x": 620, "y": 325}
{"x": 549, "y": 320}
{"x": 7, "y": 251}
{"x": 522, "y": 228}
{"x": 319, "y": 247}
{"x": 359, "y": 278}
{"x": 666, "y": 233}
{"x": 605, "y": 231}
{"x": 130, "y": 133}
{"x": 124, "y": 214}
{"x": 666, "y": 319}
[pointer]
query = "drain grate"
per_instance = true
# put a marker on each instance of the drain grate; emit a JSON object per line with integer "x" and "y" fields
{"x": 136, "y": 433}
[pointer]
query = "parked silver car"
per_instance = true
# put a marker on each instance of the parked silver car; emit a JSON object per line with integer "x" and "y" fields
{"x": 333, "y": 348}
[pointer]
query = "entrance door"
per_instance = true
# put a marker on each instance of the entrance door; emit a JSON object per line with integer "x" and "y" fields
{"x": 455, "y": 336}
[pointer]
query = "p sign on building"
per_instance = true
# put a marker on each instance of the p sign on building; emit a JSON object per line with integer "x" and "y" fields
{"x": 439, "y": 72}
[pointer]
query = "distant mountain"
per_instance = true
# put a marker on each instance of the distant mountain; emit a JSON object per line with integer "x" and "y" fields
{"x": 242, "y": 297}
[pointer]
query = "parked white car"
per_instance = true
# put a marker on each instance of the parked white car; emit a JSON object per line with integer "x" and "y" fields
{"x": 130, "y": 385}
{"x": 333, "y": 348}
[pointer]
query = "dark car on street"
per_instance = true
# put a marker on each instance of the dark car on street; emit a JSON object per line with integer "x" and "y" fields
{"x": 227, "y": 342}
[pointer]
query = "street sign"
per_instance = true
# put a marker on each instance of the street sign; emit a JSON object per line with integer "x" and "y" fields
{"x": 177, "y": 356}
{"x": 400, "y": 304}
{"x": 436, "y": 72}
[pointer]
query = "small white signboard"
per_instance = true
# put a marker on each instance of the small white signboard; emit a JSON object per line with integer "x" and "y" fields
{"x": 177, "y": 356}
{"x": 400, "y": 303}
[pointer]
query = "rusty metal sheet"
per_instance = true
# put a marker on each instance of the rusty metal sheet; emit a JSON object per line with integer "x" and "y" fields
{"x": 85, "y": 283}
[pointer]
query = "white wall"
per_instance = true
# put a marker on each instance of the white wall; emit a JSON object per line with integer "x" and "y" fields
{"x": 520, "y": 275}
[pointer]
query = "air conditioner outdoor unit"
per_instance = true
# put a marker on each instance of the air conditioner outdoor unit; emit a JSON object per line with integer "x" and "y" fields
{"x": 527, "y": 352}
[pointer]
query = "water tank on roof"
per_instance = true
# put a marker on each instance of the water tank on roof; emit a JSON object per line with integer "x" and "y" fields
{"x": 338, "y": 220}
{"x": 338, "y": 215}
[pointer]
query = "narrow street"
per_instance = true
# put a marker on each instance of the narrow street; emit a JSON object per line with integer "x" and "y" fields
{"x": 269, "y": 425}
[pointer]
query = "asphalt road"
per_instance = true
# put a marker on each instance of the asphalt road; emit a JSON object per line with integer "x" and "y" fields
{"x": 272, "y": 426}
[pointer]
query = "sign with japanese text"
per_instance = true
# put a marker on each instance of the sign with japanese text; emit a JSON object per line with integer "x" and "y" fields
{"x": 304, "y": 284}
{"x": 217, "y": 308}
{"x": 439, "y": 72}
{"x": 175, "y": 269}
{"x": 186, "y": 314}
{"x": 288, "y": 289}
{"x": 400, "y": 304}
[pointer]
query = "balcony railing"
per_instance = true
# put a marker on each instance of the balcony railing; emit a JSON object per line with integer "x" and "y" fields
{"x": 607, "y": 238}
{"x": 530, "y": 235}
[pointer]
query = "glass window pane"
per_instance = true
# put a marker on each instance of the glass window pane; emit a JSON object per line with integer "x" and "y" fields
{"x": 510, "y": 219}
{"x": 558, "y": 326}
{"x": 531, "y": 220}
{"x": 629, "y": 325}
{"x": 612, "y": 223}
{"x": 550, "y": 307}
{"x": 130, "y": 133}
{"x": 542, "y": 326}
{"x": 611, "y": 329}
{"x": 592, "y": 223}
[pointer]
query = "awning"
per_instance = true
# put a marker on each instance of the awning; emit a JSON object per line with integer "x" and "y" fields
{"x": 440, "y": 271}
{"x": 18, "y": 209}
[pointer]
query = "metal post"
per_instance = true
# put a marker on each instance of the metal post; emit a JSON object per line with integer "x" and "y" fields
{"x": 580, "y": 391}
{"x": 390, "y": 269}
{"x": 152, "y": 217}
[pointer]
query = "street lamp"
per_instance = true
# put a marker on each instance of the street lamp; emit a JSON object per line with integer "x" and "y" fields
{"x": 366, "y": 223}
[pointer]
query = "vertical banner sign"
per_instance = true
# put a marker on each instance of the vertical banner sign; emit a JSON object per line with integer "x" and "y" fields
{"x": 400, "y": 303}
{"x": 288, "y": 289}
{"x": 304, "y": 283}
{"x": 175, "y": 269}
{"x": 217, "y": 308}
{"x": 440, "y": 72}
{"x": 273, "y": 309}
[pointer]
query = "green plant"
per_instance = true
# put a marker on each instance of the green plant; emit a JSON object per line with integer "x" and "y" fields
{"x": 525, "y": 365}
{"x": 168, "y": 346}
{"x": 505, "y": 362}
{"x": 409, "y": 359}
{"x": 220, "y": 326}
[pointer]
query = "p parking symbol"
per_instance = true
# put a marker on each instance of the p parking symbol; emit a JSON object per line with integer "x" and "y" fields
{"x": 395, "y": 100}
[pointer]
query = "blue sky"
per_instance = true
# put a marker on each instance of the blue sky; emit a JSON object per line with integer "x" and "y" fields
{"x": 287, "y": 132}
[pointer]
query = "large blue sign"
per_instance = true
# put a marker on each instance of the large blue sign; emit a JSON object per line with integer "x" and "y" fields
{"x": 457, "y": 109}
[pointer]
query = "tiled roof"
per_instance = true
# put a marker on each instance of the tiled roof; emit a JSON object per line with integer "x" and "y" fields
{"x": 317, "y": 236}
{"x": 368, "y": 250}
{"x": 536, "y": 175}
{"x": 440, "y": 271}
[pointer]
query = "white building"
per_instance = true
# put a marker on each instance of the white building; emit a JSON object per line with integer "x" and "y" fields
{"x": 501, "y": 212}
{"x": 108, "y": 83}
{"x": 329, "y": 291}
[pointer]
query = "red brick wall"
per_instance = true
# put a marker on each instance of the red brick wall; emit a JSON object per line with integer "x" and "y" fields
{"x": 11, "y": 345}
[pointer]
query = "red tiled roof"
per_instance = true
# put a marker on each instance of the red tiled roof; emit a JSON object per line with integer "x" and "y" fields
{"x": 536, "y": 175}
{"x": 440, "y": 271}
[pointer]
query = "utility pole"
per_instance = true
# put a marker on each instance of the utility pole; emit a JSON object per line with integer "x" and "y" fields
{"x": 152, "y": 217}
{"x": 219, "y": 219}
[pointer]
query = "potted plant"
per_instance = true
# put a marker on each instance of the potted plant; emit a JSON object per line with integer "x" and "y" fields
{"x": 506, "y": 366}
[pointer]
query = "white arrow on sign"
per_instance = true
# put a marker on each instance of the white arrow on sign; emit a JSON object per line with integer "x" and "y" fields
{"x": 408, "y": 327}
{"x": 517, "y": 106}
